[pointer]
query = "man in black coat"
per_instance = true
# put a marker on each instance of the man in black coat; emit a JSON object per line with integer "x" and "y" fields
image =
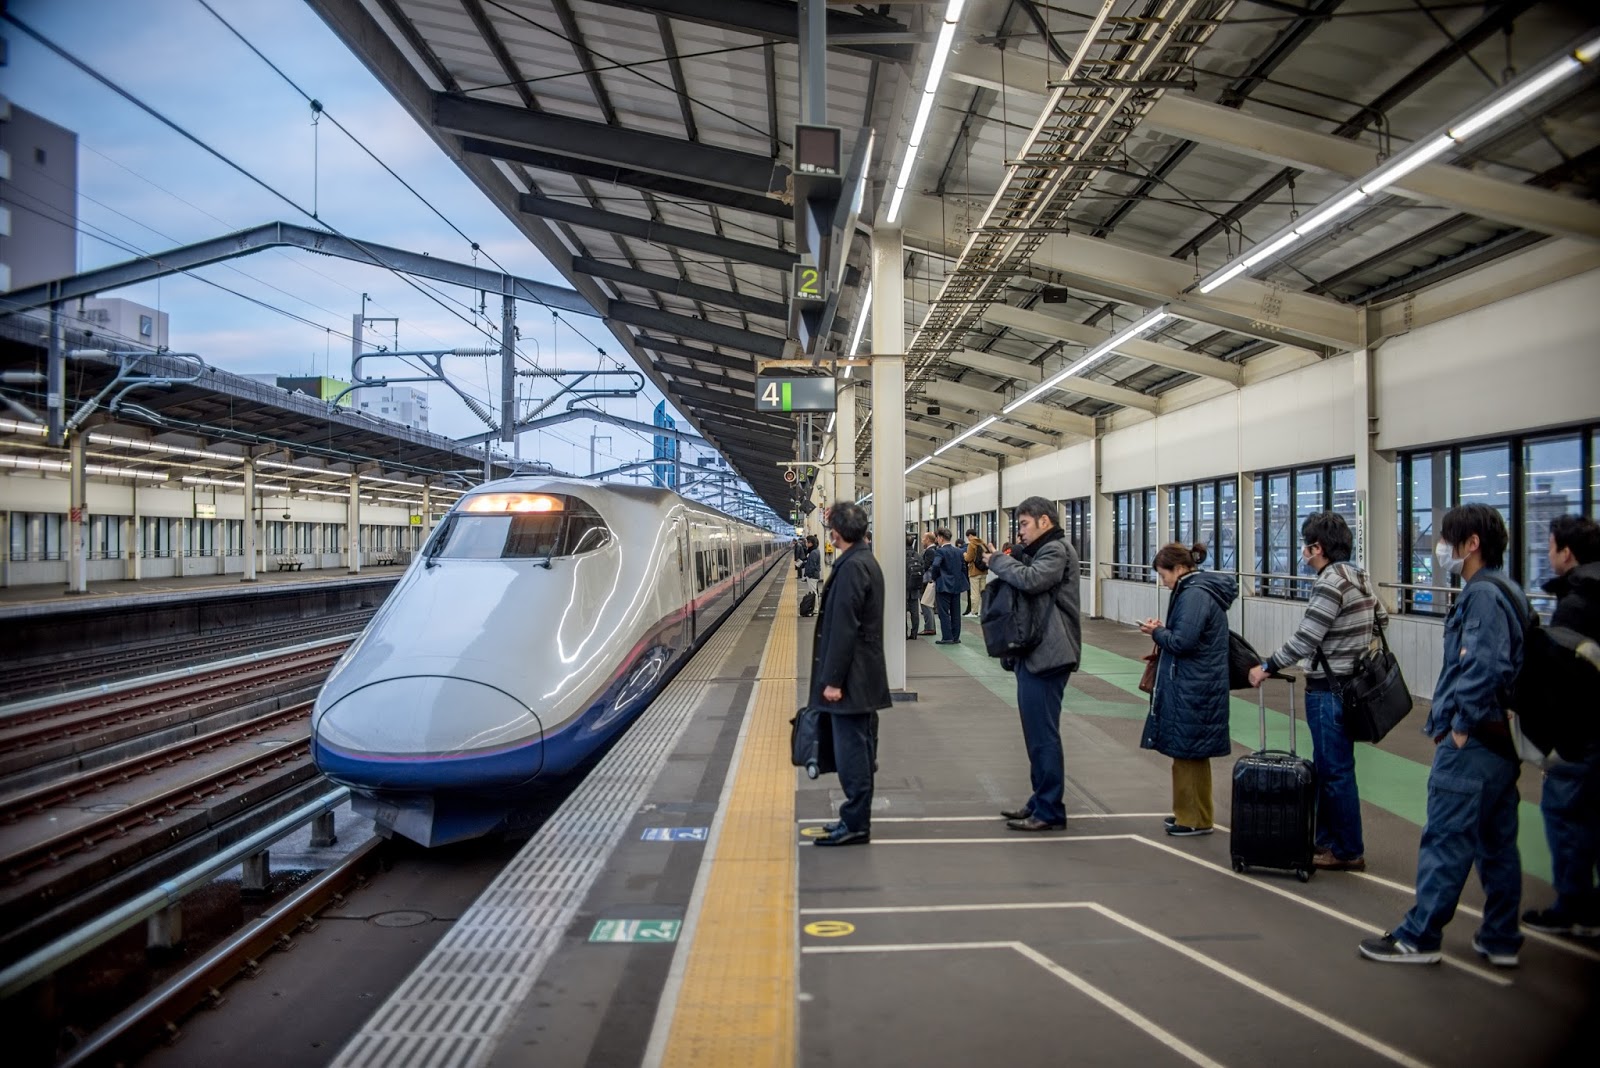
{"x": 1570, "y": 800}
{"x": 849, "y": 679}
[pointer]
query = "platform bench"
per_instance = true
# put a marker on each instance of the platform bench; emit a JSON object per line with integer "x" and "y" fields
{"x": 289, "y": 563}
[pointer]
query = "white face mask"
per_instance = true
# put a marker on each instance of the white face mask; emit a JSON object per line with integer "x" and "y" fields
{"x": 1444, "y": 555}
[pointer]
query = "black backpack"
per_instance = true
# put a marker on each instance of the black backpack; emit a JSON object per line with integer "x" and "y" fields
{"x": 1010, "y": 620}
{"x": 1553, "y": 695}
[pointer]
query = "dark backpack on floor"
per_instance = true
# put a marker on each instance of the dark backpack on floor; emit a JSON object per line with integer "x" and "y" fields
{"x": 808, "y": 603}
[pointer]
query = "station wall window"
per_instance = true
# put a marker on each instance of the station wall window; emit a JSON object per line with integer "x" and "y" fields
{"x": 305, "y": 537}
{"x": 156, "y": 537}
{"x": 1134, "y": 534}
{"x": 1284, "y": 500}
{"x": 332, "y": 537}
{"x": 1076, "y": 522}
{"x": 1530, "y": 480}
{"x": 1207, "y": 512}
{"x": 200, "y": 537}
{"x": 105, "y": 537}
{"x": 233, "y": 537}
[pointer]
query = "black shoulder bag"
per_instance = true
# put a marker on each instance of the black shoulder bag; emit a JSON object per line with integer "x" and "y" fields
{"x": 1374, "y": 695}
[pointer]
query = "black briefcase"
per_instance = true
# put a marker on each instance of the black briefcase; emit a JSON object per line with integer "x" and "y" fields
{"x": 1374, "y": 695}
{"x": 811, "y": 742}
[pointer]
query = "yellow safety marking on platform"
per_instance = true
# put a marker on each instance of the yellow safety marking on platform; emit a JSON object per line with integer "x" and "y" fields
{"x": 813, "y": 832}
{"x": 736, "y": 1006}
{"x": 830, "y": 928}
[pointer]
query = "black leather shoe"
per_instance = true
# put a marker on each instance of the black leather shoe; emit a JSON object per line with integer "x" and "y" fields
{"x": 1032, "y": 824}
{"x": 1016, "y": 813}
{"x": 842, "y": 837}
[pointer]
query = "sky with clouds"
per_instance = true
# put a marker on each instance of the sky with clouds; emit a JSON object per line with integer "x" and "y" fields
{"x": 142, "y": 186}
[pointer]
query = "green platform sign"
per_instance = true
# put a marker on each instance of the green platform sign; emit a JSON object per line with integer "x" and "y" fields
{"x": 786, "y": 394}
{"x": 635, "y": 931}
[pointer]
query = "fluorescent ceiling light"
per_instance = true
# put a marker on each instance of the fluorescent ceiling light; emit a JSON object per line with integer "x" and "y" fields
{"x": 861, "y": 326}
{"x": 831, "y": 417}
{"x": 23, "y": 428}
{"x": 1453, "y": 135}
{"x": 930, "y": 89}
{"x": 976, "y": 428}
{"x": 918, "y": 464}
{"x": 34, "y": 463}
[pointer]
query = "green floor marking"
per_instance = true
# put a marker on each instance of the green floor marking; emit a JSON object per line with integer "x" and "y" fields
{"x": 1389, "y": 781}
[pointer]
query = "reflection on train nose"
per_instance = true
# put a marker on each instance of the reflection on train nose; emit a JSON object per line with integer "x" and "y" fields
{"x": 427, "y": 715}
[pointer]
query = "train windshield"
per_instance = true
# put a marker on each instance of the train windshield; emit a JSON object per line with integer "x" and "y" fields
{"x": 519, "y": 526}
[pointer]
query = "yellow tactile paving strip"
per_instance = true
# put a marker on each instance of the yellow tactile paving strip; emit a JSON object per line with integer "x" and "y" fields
{"x": 736, "y": 1006}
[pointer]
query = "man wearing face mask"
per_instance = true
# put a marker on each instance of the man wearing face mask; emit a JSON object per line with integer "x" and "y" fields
{"x": 1335, "y": 631}
{"x": 1472, "y": 789}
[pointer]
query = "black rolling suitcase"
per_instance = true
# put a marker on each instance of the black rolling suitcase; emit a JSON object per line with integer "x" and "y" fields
{"x": 1274, "y": 804}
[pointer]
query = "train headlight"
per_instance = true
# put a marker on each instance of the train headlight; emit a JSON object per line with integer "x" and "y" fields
{"x": 502, "y": 503}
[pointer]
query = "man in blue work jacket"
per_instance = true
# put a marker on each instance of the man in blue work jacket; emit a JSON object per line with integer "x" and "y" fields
{"x": 1472, "y": 789}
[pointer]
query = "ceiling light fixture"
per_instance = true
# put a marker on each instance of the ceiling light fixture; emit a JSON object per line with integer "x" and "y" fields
{"x": 930, "y": 89}
{"x": 1093, "y": 356}
{"x": 1426, "y": 149}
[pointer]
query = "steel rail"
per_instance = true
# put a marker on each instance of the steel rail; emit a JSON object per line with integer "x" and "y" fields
{"x": 49, "y": 958}
{"x": 29, "y": 802}
{"x": 156, "y": 1015}
{"x": 118, "y": 824}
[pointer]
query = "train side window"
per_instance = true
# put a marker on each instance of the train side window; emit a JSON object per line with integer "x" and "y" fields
{"x": 586, "y": 531}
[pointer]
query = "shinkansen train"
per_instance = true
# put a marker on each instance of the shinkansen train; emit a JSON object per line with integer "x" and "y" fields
{"x": 539, "y": 619}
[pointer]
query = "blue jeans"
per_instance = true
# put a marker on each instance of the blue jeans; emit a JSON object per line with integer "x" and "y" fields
{"x": 1334, "y": 759}
{"x": 1039, "y": 702}
{"x": 949, "y": 605}
{"x": 1571, "y": 808}
{"x": 1472, "y": 819}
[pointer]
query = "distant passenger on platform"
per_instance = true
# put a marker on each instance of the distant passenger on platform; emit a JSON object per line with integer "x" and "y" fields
{"x": 1044, "y": 570}
{"x": 949, "y": 573}
{"x": 927, "y": 600}
{"x": 977, "y": 570}
{"x": 1188, "y": 718}
{"x": 1336, "y": 629}
{"x": 1472, "y": 789}
{"x": 913, "y": 586}
{"x": 1570, "y": 800}
{"x": 811, "y": 568}
{"x": 849, "y": 679}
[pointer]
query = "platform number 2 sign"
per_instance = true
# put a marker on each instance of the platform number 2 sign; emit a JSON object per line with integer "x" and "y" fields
{"x": 807, "y": 282}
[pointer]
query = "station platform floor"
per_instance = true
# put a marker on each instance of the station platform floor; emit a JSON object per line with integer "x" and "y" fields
{"x": 53, "y": 597}
{"x": 712, "y": 933}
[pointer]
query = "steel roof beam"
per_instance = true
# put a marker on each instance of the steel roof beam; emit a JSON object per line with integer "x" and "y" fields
{"x": 611, "y": 174}
{"x": 696, "y": 329}
{"x": 678, "y": 287}
{"x": 986, "y": 402}
{"x": 1058, "y": 329}
{"x": 679, "y": 373}
{"x": 962, "y": 420}
{"x": 634, "y": 149}
{"x": 288, "y": 235}
{"x": 1009, "y": 367}
{"x": 776, "y": 20}
{"x": 612, "y": 222}
{"x": 1512, "y": 203}
{"x": 689, "y": 352}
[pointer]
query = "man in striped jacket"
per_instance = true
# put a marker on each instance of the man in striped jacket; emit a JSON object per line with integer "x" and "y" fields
{"x": 1336, "y": 630}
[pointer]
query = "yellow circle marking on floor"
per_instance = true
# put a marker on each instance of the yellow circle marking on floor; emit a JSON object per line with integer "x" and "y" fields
{"x": 830, "y": 928}
{"x": 813, "y": 832}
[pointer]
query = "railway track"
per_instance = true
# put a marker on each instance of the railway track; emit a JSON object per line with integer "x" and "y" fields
{"x": 28, "y": 679}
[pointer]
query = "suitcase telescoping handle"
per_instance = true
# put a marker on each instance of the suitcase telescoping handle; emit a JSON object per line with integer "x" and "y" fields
{"x": 1261, "y": 694}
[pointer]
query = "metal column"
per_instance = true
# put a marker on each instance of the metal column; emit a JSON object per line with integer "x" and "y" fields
{"x": 889, "y": 439}
{"x": 844, "y": 457}
{"x": 427, "y": 508}
{"x": 56, "y": 382}
{"x": 1102, "y": 532}
{"x": 814, "y": 61}
{"x": 77, "y": 517}
{"x": 249, "y": 520}
{"x": 508, "y": 370}
{"x": 1377, "y": 540}
{"x": 355, "y": 521}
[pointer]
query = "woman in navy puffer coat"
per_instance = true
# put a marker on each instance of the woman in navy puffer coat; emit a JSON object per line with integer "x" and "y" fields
{"x": 1188, "y": 718}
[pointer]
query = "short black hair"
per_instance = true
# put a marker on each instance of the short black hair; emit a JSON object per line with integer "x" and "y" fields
{"x": 972, "y": 533}
{"x": 1465, "y": 520}
{"x": 811, "y": 541}
{"x": 848, "y": 520}
{"x": 1578, "y": 533}
{"x": 1329, "y": 530}
{"x": 942, "y": 532}
{"x": 1038, "y": 508}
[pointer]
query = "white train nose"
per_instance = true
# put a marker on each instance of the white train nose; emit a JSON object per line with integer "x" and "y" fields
{"x": 432, "y": 715}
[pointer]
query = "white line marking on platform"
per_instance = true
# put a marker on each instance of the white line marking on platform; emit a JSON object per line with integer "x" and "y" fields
{"x": 1143, "y": 1023}
{"x": 1364, "y": 926}
{"x": 1575, "y": 948}
{"x": 999, "y": 819}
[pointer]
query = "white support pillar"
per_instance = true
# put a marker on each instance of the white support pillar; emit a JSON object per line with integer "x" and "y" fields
{"x": 889, "y": 440}
{"x": 354, "y": 513}
{"x": 77, "y": 516}
{"x": 130, "y": 544}
{"x": 1102, "y": 532}
{"x": 844, "y": 457}
{"x": 1245, "y": 501}
{"x": 249, "y": 520}
{"x": 1377, "y": 537}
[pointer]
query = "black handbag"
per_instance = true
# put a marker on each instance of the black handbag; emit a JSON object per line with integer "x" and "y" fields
{"x": 811, "y": 742}
{"x": 1374, "y": 695}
